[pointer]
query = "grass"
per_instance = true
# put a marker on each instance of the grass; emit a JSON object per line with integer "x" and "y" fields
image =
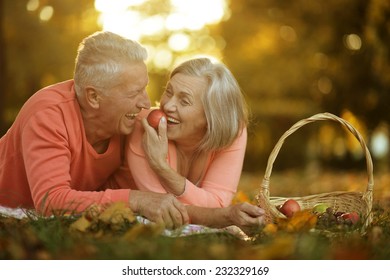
{"x": 56, "y": 238}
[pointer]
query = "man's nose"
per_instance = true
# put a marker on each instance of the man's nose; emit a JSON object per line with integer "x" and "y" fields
{"x": 145, "y": 101}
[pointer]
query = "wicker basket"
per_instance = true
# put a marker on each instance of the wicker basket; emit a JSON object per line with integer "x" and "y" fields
{"x": 345, "y": 201}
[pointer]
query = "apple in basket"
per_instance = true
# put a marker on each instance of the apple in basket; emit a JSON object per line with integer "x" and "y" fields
{"x": 154, "y": 117}
{"x": 320, "y": 208}
{"x": 289, "y": 207}
{"x": 353, "y": 217}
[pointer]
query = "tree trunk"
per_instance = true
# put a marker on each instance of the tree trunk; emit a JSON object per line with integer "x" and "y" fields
{"x": 3, "y": 79}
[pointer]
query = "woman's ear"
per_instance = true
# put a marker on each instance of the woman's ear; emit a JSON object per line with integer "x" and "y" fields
{"x": 92, "y": 97}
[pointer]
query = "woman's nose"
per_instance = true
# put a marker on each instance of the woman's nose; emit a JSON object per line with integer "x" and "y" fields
{"x": 169, "y": 105}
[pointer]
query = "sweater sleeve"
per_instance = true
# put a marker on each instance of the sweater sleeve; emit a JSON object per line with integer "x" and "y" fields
{"x": 221, "y": 179}
{"x": 52, "y": 170}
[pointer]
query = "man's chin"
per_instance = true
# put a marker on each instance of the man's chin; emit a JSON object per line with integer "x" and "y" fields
{"x": 127, "y": 130}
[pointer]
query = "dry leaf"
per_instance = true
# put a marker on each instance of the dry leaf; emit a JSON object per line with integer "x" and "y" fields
{"x": 117, "y": 213}
{"x": 300, "y": 221}
{"x": 142, "y": 230}
{"x": 270, "y": 229}
{"x": 280, "y": 247}
{"x": 81, "y": 224}
{"x": 240, "y": 197}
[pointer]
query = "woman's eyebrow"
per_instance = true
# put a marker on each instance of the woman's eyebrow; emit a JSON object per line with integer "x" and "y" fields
{"x": 186, "y": 94}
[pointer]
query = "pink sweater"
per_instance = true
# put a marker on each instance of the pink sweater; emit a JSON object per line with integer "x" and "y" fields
{"x": 46, "y": 161}
{"x": 221, "y": 172}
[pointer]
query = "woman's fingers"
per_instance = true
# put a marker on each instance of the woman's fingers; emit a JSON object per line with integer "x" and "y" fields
{"x": 252, "y": 210}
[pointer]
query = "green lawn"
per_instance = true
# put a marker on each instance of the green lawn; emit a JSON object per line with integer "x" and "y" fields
{"x": 58, "y": 238}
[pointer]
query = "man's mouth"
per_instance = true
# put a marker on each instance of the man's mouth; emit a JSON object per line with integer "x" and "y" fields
{"x": 131, "y": 116}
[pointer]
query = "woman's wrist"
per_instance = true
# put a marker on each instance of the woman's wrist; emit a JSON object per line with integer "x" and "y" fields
{"x": 170, "y": 179}
{"x": 160, "y": 167}
{"x": 180, "y": 192}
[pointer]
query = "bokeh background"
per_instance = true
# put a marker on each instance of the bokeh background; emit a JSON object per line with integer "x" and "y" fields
{"x": 292, "y": 59}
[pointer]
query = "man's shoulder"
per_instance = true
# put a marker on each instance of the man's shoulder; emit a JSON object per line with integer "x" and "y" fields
{"x": 52, "y": 95}
{"x": 60, "y": 91}
{"x": 58, "y": 97}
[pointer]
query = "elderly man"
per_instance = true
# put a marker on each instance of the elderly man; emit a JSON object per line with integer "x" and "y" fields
{"x": 66, "y": 145}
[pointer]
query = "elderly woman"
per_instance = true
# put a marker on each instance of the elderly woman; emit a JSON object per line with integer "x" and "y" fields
{"x": 198, "y": 151}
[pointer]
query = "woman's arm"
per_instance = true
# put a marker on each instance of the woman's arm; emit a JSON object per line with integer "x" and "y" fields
{"x": 221, "y": 177}
{"x": 246, "y": 216}
{"x": 156, "y": 150}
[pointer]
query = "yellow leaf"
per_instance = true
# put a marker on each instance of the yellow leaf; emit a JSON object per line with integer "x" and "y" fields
{"x": 142, "y": 230}
{"x": 280, "y": 247}
{"x": 240, "y": 197}
{"x": 81, "y": 224}
{"x": 92, "y": 213}
{"x": 117, "y": 213}
{"x": 270, "y": 229}
{"x": 300, "y": 221}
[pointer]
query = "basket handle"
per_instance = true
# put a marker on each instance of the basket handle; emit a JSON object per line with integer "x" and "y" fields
{"x": 317, "y": 117}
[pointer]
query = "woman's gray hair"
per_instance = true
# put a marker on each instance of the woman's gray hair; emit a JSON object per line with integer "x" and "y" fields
{"x": 101, "y": 58}
{"x": 224, "y": 104}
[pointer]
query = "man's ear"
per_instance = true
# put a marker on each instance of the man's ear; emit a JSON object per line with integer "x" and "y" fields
{"x": 92, "y": 97}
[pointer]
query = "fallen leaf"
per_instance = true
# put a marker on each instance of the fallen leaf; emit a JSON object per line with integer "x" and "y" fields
{"x": 300, "y": 221}
{"x": 81, "y": 224}
{"x": 117, "y": 213}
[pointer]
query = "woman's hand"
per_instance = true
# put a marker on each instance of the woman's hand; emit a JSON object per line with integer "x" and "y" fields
{"x": 246, "y": 216}
{"x": 155, "y": 144}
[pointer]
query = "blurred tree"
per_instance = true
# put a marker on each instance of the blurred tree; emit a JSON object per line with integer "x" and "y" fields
{"x": 3, "y": 127}
{"x": 297, "y": 58}
{"x": 41, "y": 39}
{"x": 292, "y": 58}
{"x": 171, "y": 30}
{"x": 360, "y": 61}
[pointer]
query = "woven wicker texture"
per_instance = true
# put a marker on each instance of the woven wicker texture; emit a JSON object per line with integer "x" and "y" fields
{"x": 344, "y": 201}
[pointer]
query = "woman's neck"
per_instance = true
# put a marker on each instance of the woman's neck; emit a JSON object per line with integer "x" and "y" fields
{"x": 191, "y": 163}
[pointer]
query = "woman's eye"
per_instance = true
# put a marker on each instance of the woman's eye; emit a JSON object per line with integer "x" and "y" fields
{"x": 185, "y": 102}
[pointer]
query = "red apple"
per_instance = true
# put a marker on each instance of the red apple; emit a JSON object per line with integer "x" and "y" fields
{"x": 289, "y": 207}
{"x": 351, "y": 216}
{"x": 154, "y": 117}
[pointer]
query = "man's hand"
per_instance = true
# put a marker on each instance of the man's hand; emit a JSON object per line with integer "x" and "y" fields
{"x": 159, "y": 208}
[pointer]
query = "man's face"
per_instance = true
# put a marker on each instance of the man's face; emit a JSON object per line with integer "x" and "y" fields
{"x": 120, "y": 104}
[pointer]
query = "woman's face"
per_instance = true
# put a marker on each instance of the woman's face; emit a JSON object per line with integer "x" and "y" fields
{"x": 182, "y": 104}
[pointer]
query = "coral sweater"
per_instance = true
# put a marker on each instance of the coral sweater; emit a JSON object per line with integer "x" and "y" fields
{"x": 221, "y": 173}
{"x": 47, "y": 163}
